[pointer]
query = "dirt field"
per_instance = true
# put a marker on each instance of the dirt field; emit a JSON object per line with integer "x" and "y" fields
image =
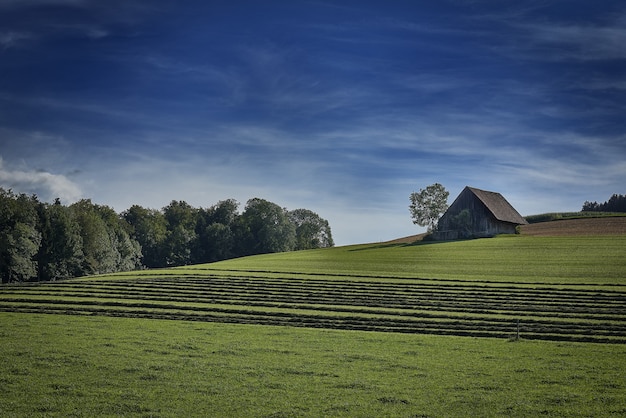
{"x": 569, "y": 227}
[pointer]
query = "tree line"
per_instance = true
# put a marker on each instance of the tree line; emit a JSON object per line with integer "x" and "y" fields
{"x": 51, "y": 241}
{"x": 617, "y": 203}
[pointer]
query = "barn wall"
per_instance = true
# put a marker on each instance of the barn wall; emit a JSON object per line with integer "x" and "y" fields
{"x": 483, "y": 223}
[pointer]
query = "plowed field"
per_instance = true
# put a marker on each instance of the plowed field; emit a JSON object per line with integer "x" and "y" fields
{"x": 578, "y": 227}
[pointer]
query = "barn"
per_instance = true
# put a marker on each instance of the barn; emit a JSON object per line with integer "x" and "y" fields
{"x": 478, "y": 213}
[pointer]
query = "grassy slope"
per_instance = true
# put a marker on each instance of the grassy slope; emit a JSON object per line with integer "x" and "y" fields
{"x": 568, "y": 260}
{"x": 57, "y": 365}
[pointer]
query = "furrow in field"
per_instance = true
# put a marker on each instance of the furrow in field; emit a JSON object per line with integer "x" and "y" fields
{"x": 349, "y": 303}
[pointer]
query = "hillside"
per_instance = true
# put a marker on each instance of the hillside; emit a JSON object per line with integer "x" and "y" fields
{"x": 561, "y": 288}
{"x": 577, "y": 227}
{"x": 365, "y": 330}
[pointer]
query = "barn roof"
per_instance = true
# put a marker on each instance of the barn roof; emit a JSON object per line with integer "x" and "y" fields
{"x": 498, "y": 206}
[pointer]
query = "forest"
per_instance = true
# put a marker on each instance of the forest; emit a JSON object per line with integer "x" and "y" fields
{"x": 617, "y": 203}
{"x": 50, "y": 241}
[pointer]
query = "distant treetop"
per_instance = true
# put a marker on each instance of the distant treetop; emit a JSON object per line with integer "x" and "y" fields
{"x": 617, "y": 203}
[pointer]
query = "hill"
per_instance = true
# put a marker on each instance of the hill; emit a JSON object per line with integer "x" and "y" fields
{"x": 562, "y": 288}
{"x": 577, "y": 227}
{"x": 364, "y": 330}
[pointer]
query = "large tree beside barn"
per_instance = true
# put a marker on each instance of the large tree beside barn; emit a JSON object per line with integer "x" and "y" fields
{"x": 428, "y": 205}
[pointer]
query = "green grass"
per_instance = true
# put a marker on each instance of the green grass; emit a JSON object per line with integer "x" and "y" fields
{"x": 555, "y": 260}
{"x": 559, "y": 289}
{"x": 73, "y": 366}
{"x": 107, "y": 350}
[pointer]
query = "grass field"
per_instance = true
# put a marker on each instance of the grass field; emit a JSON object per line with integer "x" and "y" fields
{"x": 79, "y": 366}
{"x": 512, "y": 259}
{"x": 388, "y": 329}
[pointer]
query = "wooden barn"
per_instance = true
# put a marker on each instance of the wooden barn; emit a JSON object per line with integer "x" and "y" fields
{"x": 478, "y": 213}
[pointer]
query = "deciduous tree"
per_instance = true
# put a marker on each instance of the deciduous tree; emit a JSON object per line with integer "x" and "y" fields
{"x": 61, "y": 252}
{"x": 428, "y": 205}
{"x": 181, "y": 232}
{"x": 311, "y": 230}
{"x": 267, "y": 228}
{"x": 149, "y": 228}
{"x": 19, "y": 236}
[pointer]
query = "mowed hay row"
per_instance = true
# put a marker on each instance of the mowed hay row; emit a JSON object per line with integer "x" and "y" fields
{"x": 415, "y": 307}
{"x": 462, "y": 326}
{"x": 240, "y": 290}
{"x": 520, "y": 300}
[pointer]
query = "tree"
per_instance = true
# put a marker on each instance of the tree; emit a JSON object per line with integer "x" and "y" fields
{"x": 266, "y": 228}
{"x": 216, "y": 242}
{"x": 21, "y": 246}
{"x": 149, "y": 228}
{"x": 428, "y": 205}
{"x": 591, "y": 206}
{"x": 215, "y": 238}
{"x": 311, "y": 230}
{"x": 44, "y": 241}
{"x": 61, "y": 252}
{"x": 106, "y": 244}
{"x": 128, "y": 250}
{"x": 98, "y": 250}
{"x": 617, "y": 203}
{"x": 19, "y": 236}
{"x": 181, "y": 232}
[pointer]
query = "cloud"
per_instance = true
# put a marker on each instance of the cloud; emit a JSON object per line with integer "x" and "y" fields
{"x": 45, "y": 185}
{"x": 12, "y": 39}
{"x": 43, "y": 21}
{"x": 541, "y": 36}
{"x": 581, "y": 43}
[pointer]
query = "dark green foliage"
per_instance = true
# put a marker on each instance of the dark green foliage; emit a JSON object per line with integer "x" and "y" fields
{"x": 181, "y": 221}
{"x": 266, "y": 228}
{"x": 311, "y": 230}
{"x": 617, "y": 203}
{"x": 19, "y": 236}
{"x": 149, "y": 228}
{"x": 41, "y": 241}
{"x": 107, "y": 246}
{"x": 61, "y": 252}
{"x": 215, "y": 234}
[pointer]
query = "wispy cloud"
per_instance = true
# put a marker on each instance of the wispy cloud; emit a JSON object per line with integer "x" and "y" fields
{"x": 576, "y": 42}
{"x": 538, "y": 35}
{"x": 343, "y": 110}
{"x": 13, "y": 39}
{"x": 44, "y": 184}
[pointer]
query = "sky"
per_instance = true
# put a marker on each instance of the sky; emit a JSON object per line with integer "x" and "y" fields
{"x": 341, "y": 107}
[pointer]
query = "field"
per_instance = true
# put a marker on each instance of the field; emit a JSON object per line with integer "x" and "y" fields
{"x": 578, "y": 227}
{"x": 518, "y": 326}
{"x": 84, "y": 366}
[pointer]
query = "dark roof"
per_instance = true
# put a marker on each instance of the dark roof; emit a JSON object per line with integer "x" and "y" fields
{"x": 498, "y": 206}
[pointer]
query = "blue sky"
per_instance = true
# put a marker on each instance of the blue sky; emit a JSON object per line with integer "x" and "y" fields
{"x": 344, "y": 108}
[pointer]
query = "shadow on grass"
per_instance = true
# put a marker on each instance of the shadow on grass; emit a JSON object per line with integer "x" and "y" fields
{"x": 416, "y": 243}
